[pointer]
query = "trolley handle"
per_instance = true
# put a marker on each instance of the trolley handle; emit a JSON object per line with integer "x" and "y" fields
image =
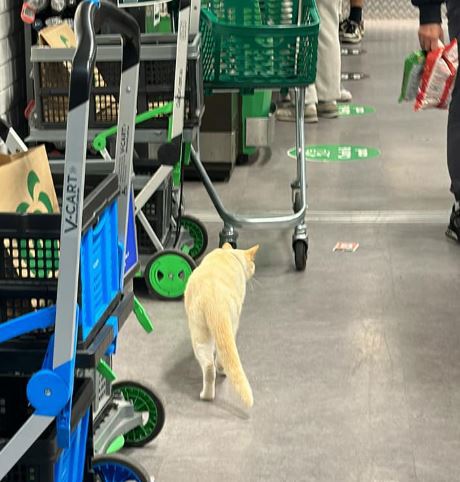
{"x": 91, "y": 15}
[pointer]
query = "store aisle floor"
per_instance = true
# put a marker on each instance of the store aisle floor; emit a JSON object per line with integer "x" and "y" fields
{"x": 354, "y": 364}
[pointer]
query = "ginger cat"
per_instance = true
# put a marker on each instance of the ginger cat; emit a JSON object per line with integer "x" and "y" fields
{"x": 213, "y": 301}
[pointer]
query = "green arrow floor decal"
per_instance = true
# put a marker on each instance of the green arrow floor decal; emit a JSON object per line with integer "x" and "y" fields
{"x": 351, "y": 110}
{"x": 337, "y": 153}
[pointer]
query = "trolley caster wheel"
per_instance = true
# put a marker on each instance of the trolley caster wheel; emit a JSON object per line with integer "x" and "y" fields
{"x": 231, "y": 243}
{"x": 300, "y": 255}
{"x": 197, "y": 231}
{"x": 110, "y": 468}
{"x": 146, "y": 401}
{"x": 167, "y": 274}
{"x": 228, "y": 235}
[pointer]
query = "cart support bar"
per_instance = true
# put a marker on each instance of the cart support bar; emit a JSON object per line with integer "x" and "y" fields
{"x": 21, "y": 442}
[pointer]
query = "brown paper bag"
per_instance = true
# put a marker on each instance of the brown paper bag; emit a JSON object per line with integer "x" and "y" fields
{"x": 58, "y": 36}
{"x": 26, "y": 184}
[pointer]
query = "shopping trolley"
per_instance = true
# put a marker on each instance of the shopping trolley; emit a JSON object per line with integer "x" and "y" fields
{"x": 262, "y": 44}
{"x": 168, "y": 254}
{"x": 37, "y": 301}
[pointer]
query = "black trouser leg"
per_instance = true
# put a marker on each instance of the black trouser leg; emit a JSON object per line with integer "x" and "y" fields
{"x": 453, "y": 129}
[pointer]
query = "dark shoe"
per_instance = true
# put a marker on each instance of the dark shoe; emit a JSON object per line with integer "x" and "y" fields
{"x": 453, "y": 231}
{"x": 351, "y": 32}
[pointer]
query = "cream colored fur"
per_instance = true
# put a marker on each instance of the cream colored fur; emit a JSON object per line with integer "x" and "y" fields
{"x": 213, "y": 300}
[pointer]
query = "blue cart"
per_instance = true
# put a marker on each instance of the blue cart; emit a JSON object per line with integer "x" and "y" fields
{"x": 65, "y": 292}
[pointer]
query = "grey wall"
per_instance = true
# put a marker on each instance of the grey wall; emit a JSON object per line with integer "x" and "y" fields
{"x": 12, "y": 71}
{"x": 385, "y": 9}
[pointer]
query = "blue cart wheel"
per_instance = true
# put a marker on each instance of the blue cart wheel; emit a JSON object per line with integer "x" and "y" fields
{"x": 116, "y": 468}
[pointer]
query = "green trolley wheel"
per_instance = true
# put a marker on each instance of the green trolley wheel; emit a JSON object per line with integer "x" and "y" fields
{"x": 197, "y": 231}
{"x": 146, "y": 401}
{"x": 167, "y": 273}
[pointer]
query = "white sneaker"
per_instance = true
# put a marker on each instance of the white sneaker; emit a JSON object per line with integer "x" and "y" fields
{"x": 351, "y": 32}
{"x": 311, "y": 114}
{"x": 345, "y": 95}
{"x": 328, "y": 110}
{"x": 287, "y": 114}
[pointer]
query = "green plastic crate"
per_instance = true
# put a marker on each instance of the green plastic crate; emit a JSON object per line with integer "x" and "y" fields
{"x": 258, "y": 44}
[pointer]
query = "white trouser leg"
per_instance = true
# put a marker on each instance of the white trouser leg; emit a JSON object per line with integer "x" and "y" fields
{"x": 311, "y": 96}
{"x": 329, "y": 56}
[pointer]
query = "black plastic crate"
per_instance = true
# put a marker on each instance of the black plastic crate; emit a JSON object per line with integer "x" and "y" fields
{"x": 158, "y": 211}
{"x": 45, "y": 461}
{"x": 24, "y": 355}
{"x": 29, "y": 258}
{"x": 156, "y": 84}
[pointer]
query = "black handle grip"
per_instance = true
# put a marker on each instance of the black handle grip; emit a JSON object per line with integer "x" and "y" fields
{"x": 89, "y": 17}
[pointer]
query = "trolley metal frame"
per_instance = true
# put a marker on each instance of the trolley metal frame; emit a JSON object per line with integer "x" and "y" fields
{"x": 232, "y": 221}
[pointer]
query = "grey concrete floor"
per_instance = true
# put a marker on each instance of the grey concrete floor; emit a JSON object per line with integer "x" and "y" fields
{"x": 354, "y": 364}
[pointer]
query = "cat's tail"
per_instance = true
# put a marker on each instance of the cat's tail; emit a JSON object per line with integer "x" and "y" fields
{"x": 222, "y": 332}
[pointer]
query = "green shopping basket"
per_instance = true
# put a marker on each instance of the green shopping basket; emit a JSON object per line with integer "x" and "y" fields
{"x": 259, "y": 44}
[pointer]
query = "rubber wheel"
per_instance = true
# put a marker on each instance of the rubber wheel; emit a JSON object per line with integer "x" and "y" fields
{"x": 167, "y": 274}
{"x": 117, "y": 468}
{"x": 146, "y": 401}
{"x": 300, "y": 255}
{"x": 197, "y": 230}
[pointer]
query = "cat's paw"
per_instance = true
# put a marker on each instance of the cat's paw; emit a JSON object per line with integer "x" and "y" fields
{"x": 207, "y": 395}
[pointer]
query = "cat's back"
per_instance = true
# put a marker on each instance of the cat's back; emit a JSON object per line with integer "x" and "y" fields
{"x": 220, "y": 270}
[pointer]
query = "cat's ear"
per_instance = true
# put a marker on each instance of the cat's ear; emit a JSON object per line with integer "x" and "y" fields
{"x": 251, "y": 252}
{"x": 227, "y": 246}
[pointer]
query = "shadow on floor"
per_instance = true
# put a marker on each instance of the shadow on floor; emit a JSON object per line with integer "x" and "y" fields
{"x": 184, "y": 377}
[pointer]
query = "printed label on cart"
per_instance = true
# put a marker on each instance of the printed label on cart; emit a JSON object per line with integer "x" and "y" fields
{"x": 71, "y": 201}
{"x": 350, "y": 110}
{"x": 337, "y": 153}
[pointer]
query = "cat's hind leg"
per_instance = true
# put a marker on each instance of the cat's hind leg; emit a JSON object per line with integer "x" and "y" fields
{"x": 219, "y": 367}
{"x": 204, "y": 353}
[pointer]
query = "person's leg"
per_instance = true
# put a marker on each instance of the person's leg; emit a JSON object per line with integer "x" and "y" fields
{"x": 327, "y": 89}
{"x": 352, "y": 28}
{"x": 356, "y": 10}
{"x": 453, "y": 130}
{"x": 329, "y": 56}
{"x": 286, "y": 111}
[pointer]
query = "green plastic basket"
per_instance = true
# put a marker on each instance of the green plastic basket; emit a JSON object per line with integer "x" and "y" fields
{"x": 258, "y": 44}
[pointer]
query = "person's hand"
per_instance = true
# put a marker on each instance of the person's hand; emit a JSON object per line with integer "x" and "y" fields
{"x": 430, "y": 35}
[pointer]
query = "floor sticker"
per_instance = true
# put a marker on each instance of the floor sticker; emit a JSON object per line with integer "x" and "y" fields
{"x": 337, "y": 153}
{"x": 346, "y": 247}
{"x": 347, "y": 51}
{"x": 350, "y": 110}
{"x": 354, "y": 76}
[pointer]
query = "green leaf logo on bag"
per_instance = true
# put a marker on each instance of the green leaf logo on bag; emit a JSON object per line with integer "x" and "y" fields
{"x": 40, "y": 203}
